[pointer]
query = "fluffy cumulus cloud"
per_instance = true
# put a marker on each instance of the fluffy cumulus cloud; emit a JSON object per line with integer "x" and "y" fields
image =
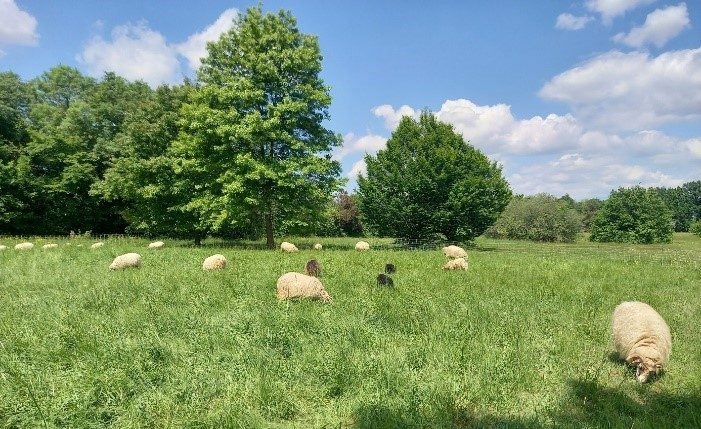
{"x": 352, "y": 144}
{"x": 628, "y": 91}
{"x": 358, "y": 168}
{"x": 660, "y": 26}
{"x": 567, "y": 21}
{"x": 195, "y": 47}
{"x": 609, "y": 9}
{"x": 17, "y": 27}
{"x": 134, "y": 52}
{"x": 392, "y": 116}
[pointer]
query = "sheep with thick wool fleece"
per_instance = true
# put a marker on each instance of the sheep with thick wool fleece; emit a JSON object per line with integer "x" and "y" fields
{"x": 156, "y": 245}
{"x": 3, "y": 247}
{"x": 454, "y": 252}
{"x": 456, "y": 264}
{"x": 24, "y": 246}
{"x": 214, "y": 262}
{"x": 641, "y": 338}
{"x": 296, "y": 285}
{"x": 318, "y": 246}
{"x": 288, "y": 247}
{"x": 362, "y": 246}
{"x": 97, "y": 245}
{"x": 49, "y": 246}
{"x": 127, "y": 260}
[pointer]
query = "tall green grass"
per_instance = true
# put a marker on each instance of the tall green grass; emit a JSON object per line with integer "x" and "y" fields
{"x": 520, "y": 340}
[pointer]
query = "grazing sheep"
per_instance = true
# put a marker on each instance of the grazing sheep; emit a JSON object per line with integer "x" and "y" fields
{"x": 296, "y": 285}
{"x": 3, "y": 247}
{"x": 390, "y": 269}
{"x": 454, "y": 252}
{"x": 97, "y": 245}
{"x": 312, "y": 268}
{"x": 156, "y": 245}
{"x": 318, "y": 246}
{"x": 384, "y": 280}
{"x": 128, "y": 260}
{"x": 288, "y": 247}
{"x": 49, "y": 246}
{"x": 214, "y": 262}
{"x": 362, "y": 246}
{"x": 641, "y": 337}
{"x": 24, "y": 246}
{"x": 456, "y": 264}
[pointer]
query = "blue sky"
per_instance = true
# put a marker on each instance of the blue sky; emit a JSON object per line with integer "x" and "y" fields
{"x": 574, "y": 97}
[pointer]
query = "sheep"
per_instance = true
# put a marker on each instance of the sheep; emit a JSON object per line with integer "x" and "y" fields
{"x": 3, "y": 247}
{"x": 49, "y": 246}
{"x": 454, "y": 252}
{"x": 128, "y": 260}
{"x": 390, "y": 269}
{"x": 456, "y": 264}
{"x": 97, "y": 245}
{"x": 214, "y": 262}
{"x": 156, "y": 245}
{"x": 312, "y": 268}
{"x": 318, "y": 246}
{"x": 24, "y": 246}
{"x": 362, "y": 246}
{"x": 384, "y": 280}
{"x": 641, "y": 338}
{"x": 288, "y": 247}
{"x": 296, "y": 285}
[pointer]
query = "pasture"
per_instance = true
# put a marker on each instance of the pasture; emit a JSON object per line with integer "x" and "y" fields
{"x": 520, "y": 340}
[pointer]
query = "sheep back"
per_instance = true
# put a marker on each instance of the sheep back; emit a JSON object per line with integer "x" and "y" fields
{"x": 362, "y": 246}
{"x": 288, "y": 247}
{"x": 296, "y": 285}
{"x": 454, "y": 252}
{"x": 156, "y": 245}
{"x": 128, "y": 260}
{"x": 24, "y": 246}
{"x": 456, "y": 264}
{"x": 214, "y": 262}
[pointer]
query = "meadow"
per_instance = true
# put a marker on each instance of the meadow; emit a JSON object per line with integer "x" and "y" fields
{"x": 520, "y": 340}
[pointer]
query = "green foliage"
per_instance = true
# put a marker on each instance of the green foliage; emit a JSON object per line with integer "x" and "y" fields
{"x": 633, "y": 215}
{"x": 347, "y": 214}
{"x": 685, "y": 203}
{"x": 253, "y": 150}
{"x": 429, "y": 182}
{"x": 539, "y": 218}
{"x": 695, "y": 227}
{"x": 588, "y": 209}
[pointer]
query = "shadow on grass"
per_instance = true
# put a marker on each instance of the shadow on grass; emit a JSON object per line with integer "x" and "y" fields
{"x": 587, "y": 404}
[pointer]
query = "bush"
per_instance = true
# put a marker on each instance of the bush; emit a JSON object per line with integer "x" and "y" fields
{"x": 347, "y": 215}
{"x": 633, "y": 215}
{"x": 695, "y": 228}
{"x": 538, "y": 218}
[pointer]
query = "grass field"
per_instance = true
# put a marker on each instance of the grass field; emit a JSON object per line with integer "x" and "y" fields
{"x": 521, "y": 339}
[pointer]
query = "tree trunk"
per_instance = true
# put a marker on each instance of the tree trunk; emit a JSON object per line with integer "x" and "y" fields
{"x": 270, "y": 239}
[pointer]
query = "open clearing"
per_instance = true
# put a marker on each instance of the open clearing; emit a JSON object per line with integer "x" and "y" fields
{"x": 521, "y": 339}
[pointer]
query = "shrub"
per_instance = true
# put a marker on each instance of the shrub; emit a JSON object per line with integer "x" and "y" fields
{"x": 695, "y": 228}
{"x": 539, "y": 218}
{"x": 633, "y": 215}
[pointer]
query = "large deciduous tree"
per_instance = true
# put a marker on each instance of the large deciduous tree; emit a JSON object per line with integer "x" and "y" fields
{"x": 253, "y": 147}
{"x": 429, "y": 182}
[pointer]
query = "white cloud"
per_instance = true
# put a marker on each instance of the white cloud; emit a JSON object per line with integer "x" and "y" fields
{"x": 392, "y": 117}
{"x": 195, "y": 47}
{"x": 633, "y": 90}
{"x": 660, "y": 26}
{"x": 567, "y": 21}
{"x": 369, "y": 143}
{"x": 17, "y": 27}
{"x": 135, "y": 52}
{"x": 358, "y": 168}
{"x": 610, "y": 9}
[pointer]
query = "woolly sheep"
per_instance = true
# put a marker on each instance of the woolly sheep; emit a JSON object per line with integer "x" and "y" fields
{"x": 318, "y": 246}
{"x": 641, "y": 337}
{"x": 128, "y": 260}
{"x": 214, "y": 262}
{"x": 288, "y": 247}
{"x": 3, "y": 247}
{"x": 362, "y": 246}
{"x": 384, "y": 280}
{"x": 456, "y": 264}
{"x": 454, "y": 252}
{"x": 97, "y": 245}
{"x": 390, "y": 269}
{"x": 49, "y": 246}
{"x": 156, "y": 245}
{"x": 312, "y": 268}
{"x": 24, "y": 246}
{"x": 296, "y": 285}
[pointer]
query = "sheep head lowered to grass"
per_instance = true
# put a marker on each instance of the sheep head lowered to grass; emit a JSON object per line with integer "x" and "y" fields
{"x": 641, "y": 337}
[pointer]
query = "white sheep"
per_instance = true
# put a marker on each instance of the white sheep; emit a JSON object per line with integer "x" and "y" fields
{"x": 3, "y": 247}
{"x": 49, "y": 246}
{"x": 296, "y": 285}
{"x": 156, "y": 245}
{"x": 456, "y": 264}
{"x": 318, "y": 246}
{"x": 288, "y": 247}
{"x": 97, "y": 245}
{"x": 128, "y": 260}
{"x": 24, "y": 246}
{"x": 454, "y": 252}
{"x": 214, "y": 262}
{"x": 641, "y": 337}
{"x": 362, "y": 246}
